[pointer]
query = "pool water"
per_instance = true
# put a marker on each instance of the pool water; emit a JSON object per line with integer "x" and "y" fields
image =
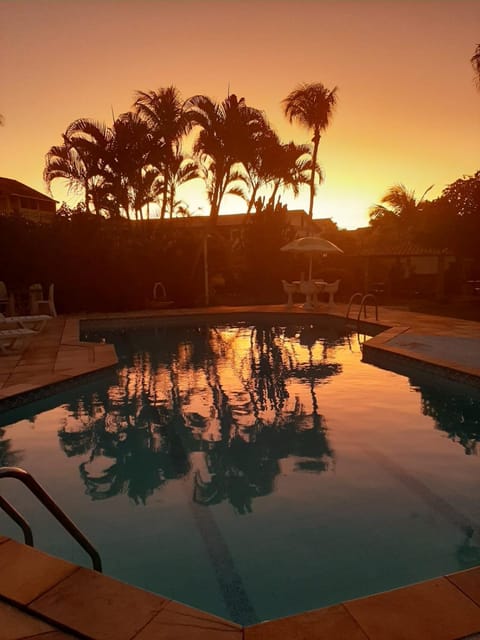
{"x": 253, "y": 471}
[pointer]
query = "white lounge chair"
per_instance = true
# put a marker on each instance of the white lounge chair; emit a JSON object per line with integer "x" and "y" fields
{"x": 12, "y": 340}
{"x": 35, "y": 323}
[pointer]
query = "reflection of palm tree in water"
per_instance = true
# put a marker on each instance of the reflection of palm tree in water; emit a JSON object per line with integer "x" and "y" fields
{"x": 8, "y": 457}
{"x": 139, "y": 435}
{"x": 240, "y": 471}
{"x": 468, "y": 552}
{"x": 456, "y": 414}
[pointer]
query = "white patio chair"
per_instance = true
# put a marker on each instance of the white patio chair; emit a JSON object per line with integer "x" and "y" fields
{"x": 331, "y": 288}
{"x": 290, "y": 288}
{"x": 38, "y": 303}
{"x": 309, "y": 289}
{"x": 14, "y": 340}
{"x": 35, "y": 323}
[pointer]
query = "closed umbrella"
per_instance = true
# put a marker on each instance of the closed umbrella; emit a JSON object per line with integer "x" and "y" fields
{"x": 311, "y": 245}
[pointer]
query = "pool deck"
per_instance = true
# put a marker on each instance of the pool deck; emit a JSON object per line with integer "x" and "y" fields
{"x": 48, "y": 598}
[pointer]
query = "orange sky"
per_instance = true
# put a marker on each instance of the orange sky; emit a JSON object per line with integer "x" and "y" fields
{"x": 408, "y": 108}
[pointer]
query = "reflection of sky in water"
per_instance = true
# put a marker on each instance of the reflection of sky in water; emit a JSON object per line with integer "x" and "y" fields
{"x": 217, "y": 462}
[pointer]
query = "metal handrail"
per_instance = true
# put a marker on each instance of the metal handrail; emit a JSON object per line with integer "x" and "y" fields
{"x": 355, "y": 295}
{"x": 364, "y": 306}
{"x": 48, "y": 502}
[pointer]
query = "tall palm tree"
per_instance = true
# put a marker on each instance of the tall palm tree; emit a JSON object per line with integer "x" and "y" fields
{"x": 475, "y": 60}
{"x": 228, "y": 134}
{"x": 311, "y": 105}
{"x": 169, "y": 121}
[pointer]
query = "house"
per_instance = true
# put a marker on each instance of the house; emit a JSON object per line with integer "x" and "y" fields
{"x": 19, "y": 199}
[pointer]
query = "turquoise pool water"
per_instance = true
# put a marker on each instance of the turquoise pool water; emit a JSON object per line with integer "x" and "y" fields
{"x": 254, "y": 471}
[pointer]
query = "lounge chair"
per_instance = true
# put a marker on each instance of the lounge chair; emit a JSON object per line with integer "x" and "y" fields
{"x": 35, "y": 323}
{"x": 13, "y": 340}
{"x": 38, "y": 302}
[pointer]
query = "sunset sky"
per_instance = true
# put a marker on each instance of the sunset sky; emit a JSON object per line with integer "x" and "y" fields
{"x": 408, "y": 108}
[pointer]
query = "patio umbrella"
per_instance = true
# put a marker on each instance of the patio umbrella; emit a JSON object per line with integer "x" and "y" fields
{"x": 311, "y": 245}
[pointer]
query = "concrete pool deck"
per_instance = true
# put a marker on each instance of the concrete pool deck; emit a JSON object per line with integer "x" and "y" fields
{"x": 45, "y": 597}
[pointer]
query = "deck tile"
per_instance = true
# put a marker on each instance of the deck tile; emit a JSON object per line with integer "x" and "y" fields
{"x": 183, "y": 611}
{"x": 116, "y": 612}
{"x": 332, "y": 623}
{"x": 26, "y": 573}
{"x": 177, "y": 626}
{"x": 435, "y": 610}
{"x": 16, "y": 624}
{"x": 468, "y": 582}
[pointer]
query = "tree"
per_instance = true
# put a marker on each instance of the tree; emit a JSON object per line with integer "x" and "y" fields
{"x": 475, "y": 60}
{"x": 168, "y": 121}
{"x": 311, "y": 105}
{"x": 228, "y": 136}
{"x": 79, "y": 170}
{"x": 181, "y": 170}
{"x": 398, "y": 210}
{"x": 290, "y": 168}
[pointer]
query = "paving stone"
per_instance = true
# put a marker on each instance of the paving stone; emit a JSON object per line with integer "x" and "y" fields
{"x": 99, "y": 607}
{"x": 468, "y": 582}
{"x": 16, "y": 624}
{"x": 26, "y": 573}
{"x": 434, "y": 610}
{"x": 331, "y": 623}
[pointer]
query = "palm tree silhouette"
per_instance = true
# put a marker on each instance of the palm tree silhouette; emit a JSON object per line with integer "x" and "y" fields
{"x": 77, "y": 164}
{"x": 290, "y": 168}
{"x": 398, "y": 210}
{"x": 311, "y": 105}
{"x": 228, "y": 136}
{"x": 180, "y": 171}
{"x": 475, "y": 60}
{"x": 169, "y": 121}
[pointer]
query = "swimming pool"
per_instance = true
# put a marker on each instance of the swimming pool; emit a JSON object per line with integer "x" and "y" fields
{"x": 252, "y": 470}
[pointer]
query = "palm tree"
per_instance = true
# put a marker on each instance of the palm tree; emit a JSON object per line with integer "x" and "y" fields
{"x": 399, "y": 208}
{"x": 475, "y": 60}
{"x": 290, "y": 168}
{"x": 168, "y": 122}
{"x": 66, "y": 162}
{"x": 258, "y": 168}
{"x": 227, "y": 138}
{"x": 311, "y": 105}
{"x": 181, "y": 170}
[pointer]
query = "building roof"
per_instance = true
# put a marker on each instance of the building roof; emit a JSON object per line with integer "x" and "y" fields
{"x": 16, "y": 188}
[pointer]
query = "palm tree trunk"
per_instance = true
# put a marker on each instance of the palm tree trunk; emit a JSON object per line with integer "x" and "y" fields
{"x": 316, "y": 141}
{"x": 252, "y": 199}
{"x": 164, "y": 194}
{"x": 271, "y": 200}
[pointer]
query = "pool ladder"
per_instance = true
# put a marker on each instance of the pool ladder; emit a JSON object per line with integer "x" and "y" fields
{"x": 42, "y": 496}
{"x": 363, "y": 305}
